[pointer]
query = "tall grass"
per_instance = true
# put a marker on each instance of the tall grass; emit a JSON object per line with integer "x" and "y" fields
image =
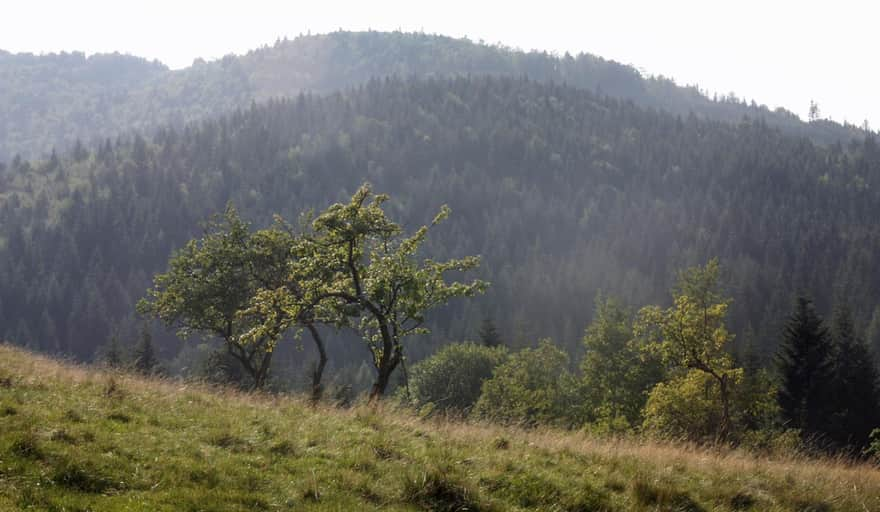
{"x": 82, "y": 438}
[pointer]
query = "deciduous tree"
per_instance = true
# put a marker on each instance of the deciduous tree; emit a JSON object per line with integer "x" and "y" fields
{"x": 376, "y": 280}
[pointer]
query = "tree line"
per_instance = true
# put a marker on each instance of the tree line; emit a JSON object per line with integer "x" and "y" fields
{"x": 669, "y": 373}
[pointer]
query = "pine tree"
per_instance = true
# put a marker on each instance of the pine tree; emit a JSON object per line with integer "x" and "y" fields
{"x": 489, "y": 333}
{"x": 112, "y": 356}
{"x": 856, "y": 392}
{"x": 806, "y": 371}
{"x": 145, "y": 360}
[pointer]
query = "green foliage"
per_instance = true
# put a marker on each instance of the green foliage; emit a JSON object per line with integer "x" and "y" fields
{"x": 373, "y": 274}
{"x": 208, "y": 288}
{"x": 452, "y": 378}
{"x": 618, "y": 370}
{"x": 873, "y": 448}
{"x": 856, "y": 386}
{"x": 692, "y": 335}
{"x": 689, "y": 407}
{"x": 144, "y": 355}
{"x": 686, "y": 407}
{"x": 806, "y": 369}
{"x": 532, "y": 387}
{"x": 111, "y": 353}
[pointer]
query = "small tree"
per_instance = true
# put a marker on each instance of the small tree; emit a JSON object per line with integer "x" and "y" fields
{"x": 489, "y": 333}
{"x": 532, "y": 387}
{"x": 111, "y": 355}
{"x": 375, "y": 281}
{"x": 691, "y": 334}
{"x": 806, "y": 370}
{"x": 617, "y": 372}
{"x": 452, "y": 379}
{"x": 814, "y": 112}
{"x": 145, "y": 360}
{"x": 856, "y": 392}
{"x": 208, "y": 285}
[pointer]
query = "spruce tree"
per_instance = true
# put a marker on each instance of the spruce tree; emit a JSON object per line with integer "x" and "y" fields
{"x": 145, "y": 360}
{"x": 112, "y": 356}
{"x": 489, "y": 333}
{"x": 856, "y": 393}
{"x": 807, "y": 372}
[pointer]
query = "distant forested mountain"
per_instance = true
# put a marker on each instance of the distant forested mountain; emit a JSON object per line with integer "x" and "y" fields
{"x": 565, "y": 192}
{"x": 52, "y": 101}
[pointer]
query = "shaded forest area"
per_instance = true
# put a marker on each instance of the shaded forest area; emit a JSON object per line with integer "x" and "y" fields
{"x": 54, "y": 101}
{"x": 562, "y": 191}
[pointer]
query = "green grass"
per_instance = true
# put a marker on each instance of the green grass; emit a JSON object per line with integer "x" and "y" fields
{"x": 81, "y": 439}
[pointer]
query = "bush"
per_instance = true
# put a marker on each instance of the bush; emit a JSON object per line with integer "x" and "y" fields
{"x": 452, "y": 379}
{"x": 688, "y": 407}
{"x": 532, "y": 387}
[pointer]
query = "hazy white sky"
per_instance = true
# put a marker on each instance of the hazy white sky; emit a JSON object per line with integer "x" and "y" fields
{"x": 778, "y": 52}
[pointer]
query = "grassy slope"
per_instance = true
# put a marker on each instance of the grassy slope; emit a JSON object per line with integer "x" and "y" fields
{"x": 81, "y": 439}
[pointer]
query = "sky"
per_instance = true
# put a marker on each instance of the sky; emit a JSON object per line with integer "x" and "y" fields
{"x": 777, "y": 52}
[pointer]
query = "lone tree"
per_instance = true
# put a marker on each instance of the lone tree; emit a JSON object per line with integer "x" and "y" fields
{"x": 488, "y": 333}
{"x": 856, "y": 392}
{"x": 145, "y": 360}
{"x": 112, "y": 353}
{"x": 806, "y": 368}
{"x": 233, "y": 285}
{"x": 692, "y": 333}
{"x": 376, "y": 283}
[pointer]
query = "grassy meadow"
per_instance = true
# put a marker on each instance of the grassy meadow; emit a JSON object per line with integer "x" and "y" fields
{"x": 77, "y": 438}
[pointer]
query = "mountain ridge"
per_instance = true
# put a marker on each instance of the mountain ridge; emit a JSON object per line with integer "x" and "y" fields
{"x": 76, "y": 109}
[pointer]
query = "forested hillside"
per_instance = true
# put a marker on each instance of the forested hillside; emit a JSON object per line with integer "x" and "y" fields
{"x": 54, "y": 100}
{"x": 564, "y": 192}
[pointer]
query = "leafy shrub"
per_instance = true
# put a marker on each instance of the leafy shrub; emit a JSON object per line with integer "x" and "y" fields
{"x": 452, "y": 379}
{"x": 532, "y": 387}
{"x": 873, "y": 449}
{"x": 688, "y": 407}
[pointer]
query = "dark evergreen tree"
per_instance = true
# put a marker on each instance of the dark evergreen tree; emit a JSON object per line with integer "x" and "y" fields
{"x": 145, "y": 360}
{"x": 872, "y": 335}
{"x": 488, "y": 333}
{"x": 807, "y": 372}
{"x": 112, "y": 355}
{"x": 856, "y": 392}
